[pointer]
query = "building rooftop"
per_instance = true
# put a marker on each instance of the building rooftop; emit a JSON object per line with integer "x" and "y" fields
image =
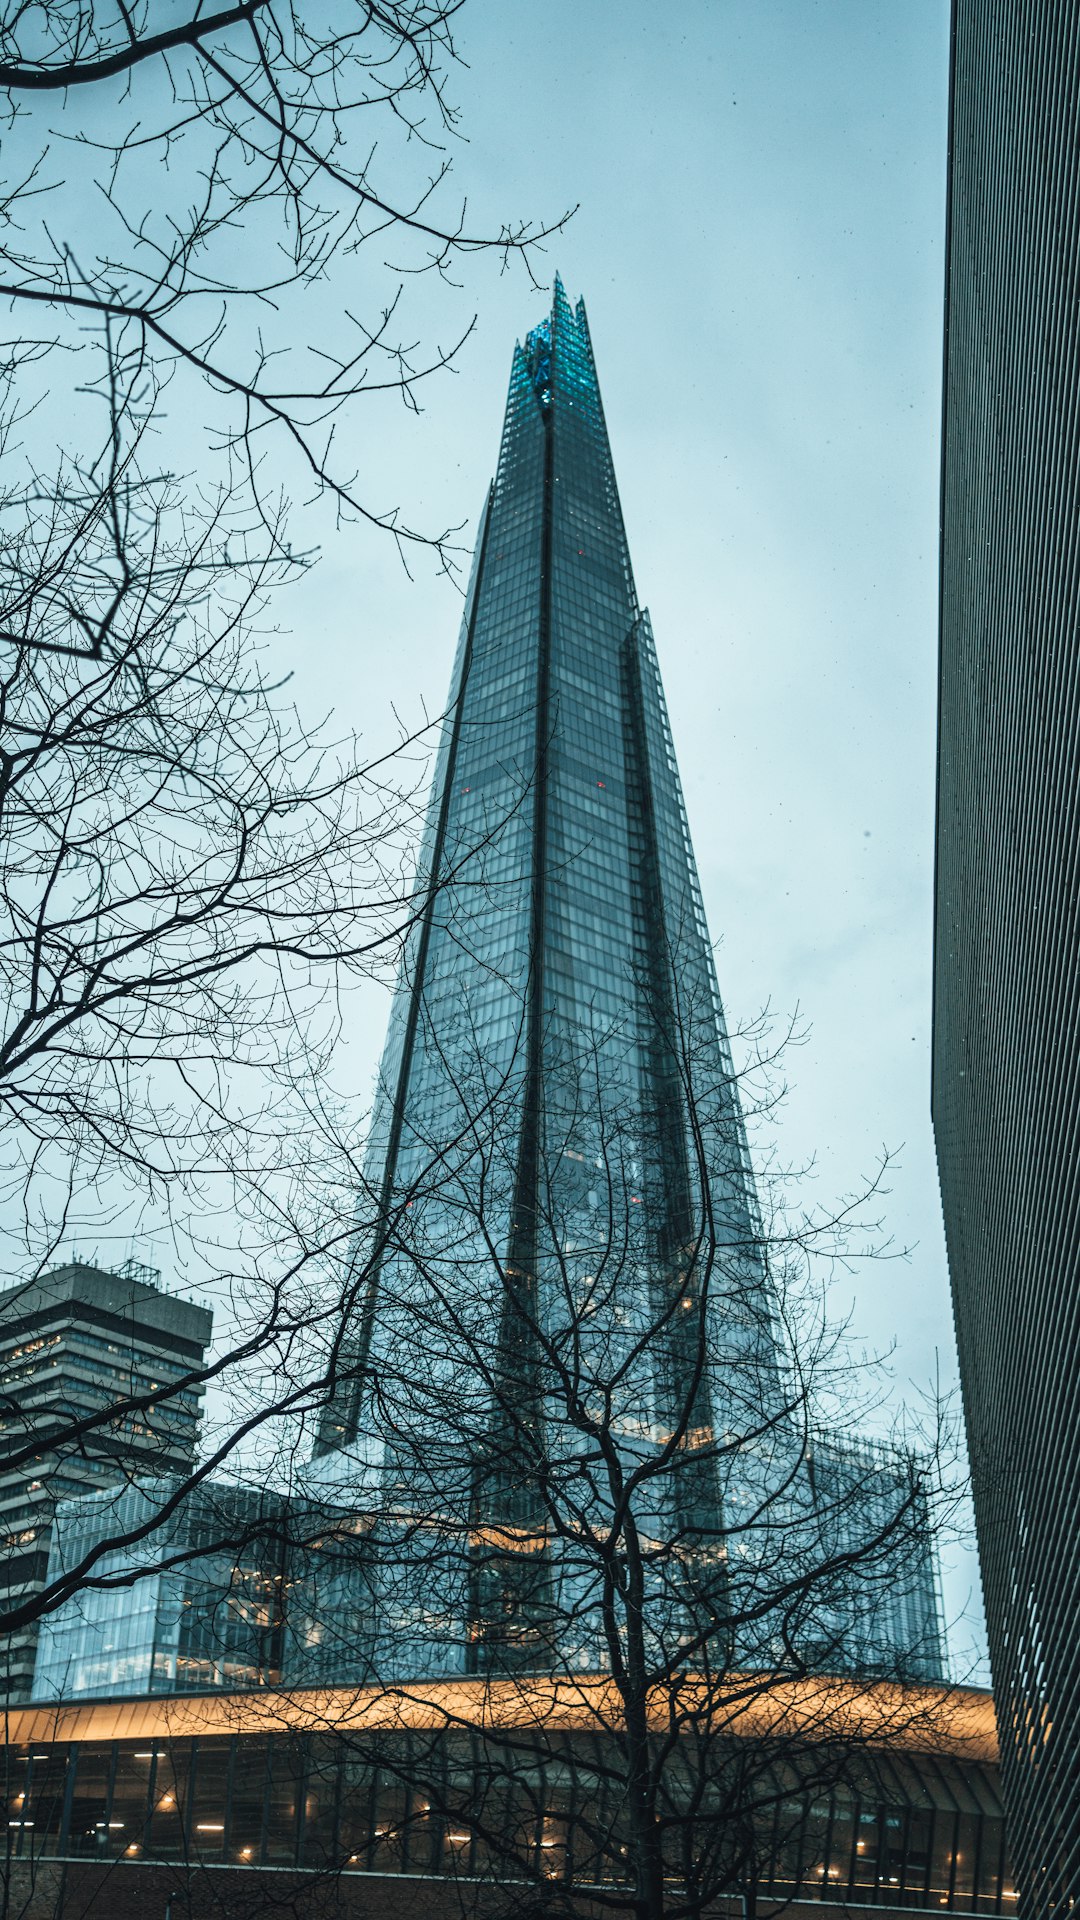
{"x": 127, "y": 1295}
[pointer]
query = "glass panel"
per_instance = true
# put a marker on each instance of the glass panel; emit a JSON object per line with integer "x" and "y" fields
{"x": 941, "y": 1854}
{"x": 990, "y": 1862}
{"x": 526, "y": 1813}
{"x": 248, "y": 1802}
{"x": 789, "y": 1852}
{"x": 462, "y": 1798}
{"x": 356, "y": 1812}
{"x": 917, "y": 1858}
{"x": 286, "y": 1782}
{"x": 553, "y": 1836}
{"x": 130, "y": 1801}
{"x": 868, "y": 1847}
{"x": 554, "y": 1826}
{"x": 508, "y": 1846}
{"x": 1008, "y": 1885}
{"x": 891, "y": 1864}
{"x": 48, "y": 1787}
{"x": 318, "y": 1840}
{"x": 421, "y": 1834}
{"x": 169, "y": 1801}
{"x": 20, "y": 1813}
{"x": 967, "y": 1841}
{"x": 388, "y": 1839}
{"x": 841, "y": 1848}
{"x": 813, "y": 1866}
{"x": 208, "y": 1808}
{"x": 89, "y": 1832}
{"x": 426, "y": 1772}
{"x": 958, "y": 1783}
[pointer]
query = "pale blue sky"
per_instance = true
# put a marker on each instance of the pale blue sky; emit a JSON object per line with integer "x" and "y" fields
{"x": 760, "y": 245}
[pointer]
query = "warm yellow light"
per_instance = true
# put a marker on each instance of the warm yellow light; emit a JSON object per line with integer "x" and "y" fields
{"x": 955, "y": 1721}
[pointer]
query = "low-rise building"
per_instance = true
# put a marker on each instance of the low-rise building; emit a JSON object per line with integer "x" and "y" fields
{"x": 451, "y": 1799}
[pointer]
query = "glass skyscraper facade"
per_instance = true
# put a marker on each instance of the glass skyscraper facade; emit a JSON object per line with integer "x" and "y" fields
{"x": 565, "y": 1242}
{"x": 191, "y": 1621}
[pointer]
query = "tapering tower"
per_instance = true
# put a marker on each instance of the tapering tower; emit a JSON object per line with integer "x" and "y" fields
{"x": 561, "y": 1210}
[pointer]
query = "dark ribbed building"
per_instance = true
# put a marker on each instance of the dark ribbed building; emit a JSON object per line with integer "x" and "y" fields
{"x": 1007, "y": 986}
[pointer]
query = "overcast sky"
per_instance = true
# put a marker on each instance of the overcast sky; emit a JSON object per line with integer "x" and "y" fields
{"x": 759, "y": 242}
{"x": 760, "y": 193}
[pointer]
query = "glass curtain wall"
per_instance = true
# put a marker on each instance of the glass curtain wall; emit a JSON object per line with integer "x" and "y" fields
{"x": 560, "y": 1195}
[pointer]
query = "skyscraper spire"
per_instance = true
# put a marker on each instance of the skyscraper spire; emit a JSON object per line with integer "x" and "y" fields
{"x": 563, "y": 1232}
{"x": 563, "y": 943}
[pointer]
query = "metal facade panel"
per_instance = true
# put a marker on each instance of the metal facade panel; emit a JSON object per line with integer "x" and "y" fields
{"x": 1007, "y": 1020}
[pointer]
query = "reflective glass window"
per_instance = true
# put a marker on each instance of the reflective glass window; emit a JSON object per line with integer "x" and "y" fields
{"x": 89, "y": 1828}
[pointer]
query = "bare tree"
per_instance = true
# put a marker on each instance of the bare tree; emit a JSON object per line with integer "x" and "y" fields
{"x": 190, "y": 872}
{"x": 604, "y": 1450}
{"x": 188, "y": 187}
{"x": 612, "y": 1466}
{"x": 614, "y": 1623}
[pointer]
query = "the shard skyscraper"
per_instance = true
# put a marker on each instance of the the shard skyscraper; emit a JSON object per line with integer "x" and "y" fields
{"x": 561, "y": 1283}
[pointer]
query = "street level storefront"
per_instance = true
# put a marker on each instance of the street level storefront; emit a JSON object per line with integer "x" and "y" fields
{"x": 389, "y": 1804}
